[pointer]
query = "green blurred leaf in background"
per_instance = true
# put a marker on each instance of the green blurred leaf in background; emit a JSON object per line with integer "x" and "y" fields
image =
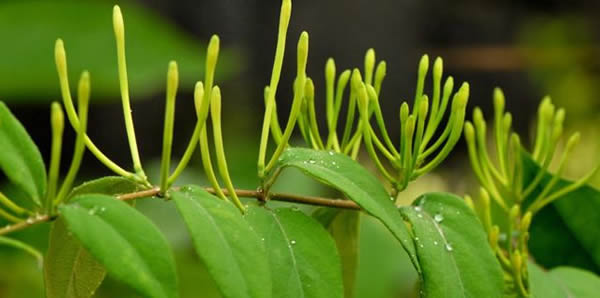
{"x": 30, "y": 28}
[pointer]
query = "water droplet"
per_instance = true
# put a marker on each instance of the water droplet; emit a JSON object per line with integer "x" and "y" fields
{"x": 419, "y": 215}
{"x": 333, "y": 163}
{"x": 416, "y": 238}
{"x": 435, "y": 243}
{"x": 418, "y": 208}
{"x": 311, "y": 161}
{"x": 29, "y": 220}
{"x": 293, "y": 242}
{"x": 392, "y": 199}
{"x": 421, "y": 245}
{"x": 263, "y": 238}
{"x": 448, "y": 247}
{"x": 330, "y": 152}
{"x": 438, "y": 217}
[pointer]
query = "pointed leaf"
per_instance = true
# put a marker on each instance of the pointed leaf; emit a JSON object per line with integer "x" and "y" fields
{"x": 302, "y": 256}
{"x": 20, "y": 159}
{"x": 229, "y": 248}
{"x": 355, "y": 182}
{"x": 575, "y": 214}
{"x": 127, "y": 243}
{"x": 456, "y": 259}
{"x": 344, "y": 227}
{"x": 69, "y": 270}
{"x": 562, "y": 282}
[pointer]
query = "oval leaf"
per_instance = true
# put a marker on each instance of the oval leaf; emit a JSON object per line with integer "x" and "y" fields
{"x": 69, "y": 270}
{"x": 562, "y": 282}
{"x": 302, "y": 256}
{"x": 573, "y": 217}
{"x": 20, "y": 159}
{"x": 230, "y": 249}
{"x": 129, "y": 246}
{"x": 456, "y": 259}
{"x": 355, "y": 182}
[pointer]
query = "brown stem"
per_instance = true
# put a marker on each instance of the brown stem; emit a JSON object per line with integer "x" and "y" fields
{"x": 155, "y": 191}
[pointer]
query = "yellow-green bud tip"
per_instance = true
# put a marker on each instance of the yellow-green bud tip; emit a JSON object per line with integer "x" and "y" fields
{"x": 60, "y": 56}
{"x": 404, "y": 111}
{"x": 216, "y": 97}
{"x": 370, "y": 59}
{"x": 213, "y": 47}
{"x": 423, "y": 65}
{"x": 118, "y": 22}
{"x": 84, "y": 88}
{"x": 57, "y": 117}
{"x": 478, "y": 117}
{"x": 469, "y": 132}
{"x": 198, "y": 95}
{"x": 363, "y": 99}
{"x": 499, "y": 100}
{"x": 356, "y": 79}
{"x": 302, "y": 51}
{"x": 380, "y": 71}
{"x": 438, "y": 68}
{"x": 330, "y": 69}
{"x": 172, "y": 79}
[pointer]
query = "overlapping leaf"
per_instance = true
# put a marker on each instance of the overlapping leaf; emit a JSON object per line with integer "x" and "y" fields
{"x": 228, "y": 247}
{"x": 355, "y": 182}
{"x": 128, "y": 244}
{"x": 303, "y": 258}
{"x": 455, "y": 257}
{"x": 573, "y": 216}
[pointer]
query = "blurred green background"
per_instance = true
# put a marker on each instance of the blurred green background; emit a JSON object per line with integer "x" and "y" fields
{"x": 529, "y": 48}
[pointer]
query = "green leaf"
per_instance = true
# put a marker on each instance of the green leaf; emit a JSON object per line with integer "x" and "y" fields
{"x": 129, "y": 246}
{"x": 574, "y": 214}
{"x": 355, "y": 182}
{"x": 229, "y": 248}
{"x": 456, "y": 259}
{"x": 69, "y": 270}
{"x": 109, "y": 185}
{"x": 302, "y": 256}
{"x": 563, "y": 282}
{"x": 344, "y": 227}
{"x": 28, "y": 73}
{"x": 20, "y": 159}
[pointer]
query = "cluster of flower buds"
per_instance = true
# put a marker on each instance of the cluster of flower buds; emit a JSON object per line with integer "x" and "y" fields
{"x": 503, "y": 185}
{"x": 207, "y": 100}
{"x": 421, "y": 147}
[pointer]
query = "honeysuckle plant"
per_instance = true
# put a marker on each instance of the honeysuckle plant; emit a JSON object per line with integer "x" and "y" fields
{"x": 459, "y": 247}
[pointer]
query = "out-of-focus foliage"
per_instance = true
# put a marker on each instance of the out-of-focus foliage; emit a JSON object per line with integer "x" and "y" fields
{"x": 29, "y": 28}
{"x": 562, "y": 55}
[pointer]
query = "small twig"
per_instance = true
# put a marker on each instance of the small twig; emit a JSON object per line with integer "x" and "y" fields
{"x": 155, "y": 191}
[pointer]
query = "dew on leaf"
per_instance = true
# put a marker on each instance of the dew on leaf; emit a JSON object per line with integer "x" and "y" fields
{"x": 448, "y": 247}
{"x": 438, "y": 217}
